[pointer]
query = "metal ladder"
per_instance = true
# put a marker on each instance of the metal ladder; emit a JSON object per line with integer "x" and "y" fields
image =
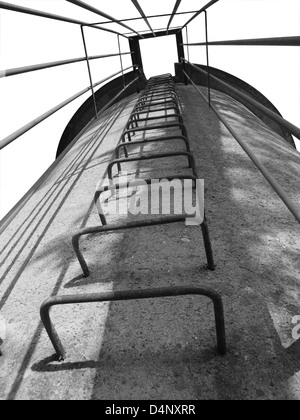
{"x": 161, "y": 102}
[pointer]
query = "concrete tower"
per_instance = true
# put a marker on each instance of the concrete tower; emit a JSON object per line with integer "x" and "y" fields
{"x": 152, "y": 301}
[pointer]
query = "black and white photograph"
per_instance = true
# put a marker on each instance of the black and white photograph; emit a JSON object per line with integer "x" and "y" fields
{"x": 150, "y": 203}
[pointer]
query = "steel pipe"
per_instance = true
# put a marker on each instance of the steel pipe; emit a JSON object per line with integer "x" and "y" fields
{"x": 176, "y": 7}
{"x": 158, "y": 32}
{"x": 33, "y": 12}
{"x": 291, "y": 128}
{"x": 288, "y": 41}
{"x": 121, "y": 61}
{"x": 12, "y": 137}
{"x": 134, "y": 295}
{"x": 148, "y": 17}
{"x": 4, "y": 223}
{"x": 293, "y": 208}
{"x": 141, "y": 12}
{"x": 92, "y": 9}
{"x": 43, "y": 66}
{"x": 211, "y": 3}
{"x": 207, "y": 57}
{"x": 89, "y": 71}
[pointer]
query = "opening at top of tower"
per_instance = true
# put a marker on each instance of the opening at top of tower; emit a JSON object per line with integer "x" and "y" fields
{"x": 154, "y": 57}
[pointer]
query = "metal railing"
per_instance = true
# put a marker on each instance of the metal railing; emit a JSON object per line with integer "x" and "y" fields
{"x": 93, "y": 9}
{"x": 141, "y": 12}
{"x": 275, "y": 117}
{"x": 286, "y": 41}
{"x": 26, "y": 69}
{"x": 132, "y": 19}
{"x": 203, "y": 9}
{"x": 11, "y": 215}
{"x": 37, "y": 67}
{"x": 272, "y": 181}
{"x": 44, "y": 66}
{"x": 18, "y": 133}
{"x": 291, "y": 128}
{"x": 275, "y": 41}
{"x": 38, "y": 13}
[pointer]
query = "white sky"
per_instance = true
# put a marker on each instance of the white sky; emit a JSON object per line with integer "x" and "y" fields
{"x": 26, "y": 40}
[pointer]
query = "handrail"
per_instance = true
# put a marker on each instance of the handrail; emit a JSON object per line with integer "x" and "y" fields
{"x": 207, "y": 6}
{"x": 22, "y": 202}
{"x": 121, "y": 61}
{"x": 155, "y": 30}
{"x": 12, "y": 137}
{"x": 34, "y": 12}
{"x": 272, "y": 181}
{"x": 176, "y": 7}
{"x": 286, "y": 41}
{"x": 148, "y": 17}
{"x": 43, "y": 66}
{"x": 141, "y": 12}
{"x": 93, "y": 9}
{"x": 89, "y": 70}
{"x": 275, "y": 117}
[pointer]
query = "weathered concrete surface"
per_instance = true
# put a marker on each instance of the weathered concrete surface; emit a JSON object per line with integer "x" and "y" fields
{"x": 162, "y": 349}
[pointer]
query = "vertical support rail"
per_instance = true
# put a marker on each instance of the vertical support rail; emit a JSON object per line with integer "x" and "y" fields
{"x": 188, "y": 50}
{"x": 141, "y": 12}
{"x": 183, "y": 62}
{"x": 176, "y": 7}
{"x": 187, "y": 41}
{"x": 89, "y": 71}
{"x": 207, "y": 58}
{"x": 293, "y": 208}
{"x": 121, "y": 61}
